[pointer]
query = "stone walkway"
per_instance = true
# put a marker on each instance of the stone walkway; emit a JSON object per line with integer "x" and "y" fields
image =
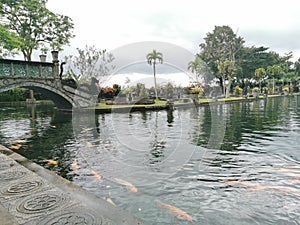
{"x": 30, "y": 194}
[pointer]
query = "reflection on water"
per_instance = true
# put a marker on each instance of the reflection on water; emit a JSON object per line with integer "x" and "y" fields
{"x": 172, "y": 157}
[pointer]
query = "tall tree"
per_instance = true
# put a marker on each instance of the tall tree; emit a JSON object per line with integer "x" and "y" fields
{"x": 274, "y": 71}
{"x": 297, "y": 67}
{"x": 153, "y": 58}
{"x": 219, "y": 46}
{"x": 90, "y": 62}
{"x": 199, "y": 67}
{"x": 227, "y": 71}
{"x": 35, "y": 25}
{"x": 260, "y": 73}
{"x": 251, "y": 58}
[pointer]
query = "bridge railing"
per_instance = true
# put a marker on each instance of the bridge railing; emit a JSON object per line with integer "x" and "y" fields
{"x": 24, "y": 69}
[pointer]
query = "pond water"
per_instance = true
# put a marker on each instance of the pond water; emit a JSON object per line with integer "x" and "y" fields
{"x": 233, "y": 163}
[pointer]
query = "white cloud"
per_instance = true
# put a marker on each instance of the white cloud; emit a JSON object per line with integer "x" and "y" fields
{"x": 110, "y": 24}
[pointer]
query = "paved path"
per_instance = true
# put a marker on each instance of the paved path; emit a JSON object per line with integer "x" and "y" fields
{"x": 30, "y": 194}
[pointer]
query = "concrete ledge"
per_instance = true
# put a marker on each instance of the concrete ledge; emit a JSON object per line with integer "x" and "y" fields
{"x": 31, "y": 194}
{"x": 6, "y": 218}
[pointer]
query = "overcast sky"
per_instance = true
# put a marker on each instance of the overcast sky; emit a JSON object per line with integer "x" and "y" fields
{"x": 111, "y": 24}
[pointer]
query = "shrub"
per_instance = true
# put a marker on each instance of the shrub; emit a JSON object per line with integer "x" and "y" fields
{"x": 238, "y": 91}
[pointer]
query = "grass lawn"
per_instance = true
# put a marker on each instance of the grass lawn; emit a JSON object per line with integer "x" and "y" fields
{"x": 159, "y": 103}
{"x": 102, "y": 105}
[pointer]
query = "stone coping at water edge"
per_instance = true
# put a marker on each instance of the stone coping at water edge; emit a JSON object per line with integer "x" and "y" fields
{"x": 33, "y": 195}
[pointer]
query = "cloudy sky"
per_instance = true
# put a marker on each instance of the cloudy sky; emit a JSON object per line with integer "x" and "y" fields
{"x": 116, "y": 23}
{"x": 110, "y": 24}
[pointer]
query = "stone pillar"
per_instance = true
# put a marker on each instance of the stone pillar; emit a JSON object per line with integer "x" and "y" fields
{"x": 56, "y": 68}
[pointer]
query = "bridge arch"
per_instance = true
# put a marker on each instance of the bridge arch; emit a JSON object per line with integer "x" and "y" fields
{"x": 60, "y": 99}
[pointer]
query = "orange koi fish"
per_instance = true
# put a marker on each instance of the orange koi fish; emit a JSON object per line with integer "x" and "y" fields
{"x": 258, "y": 187}
{"x": 15, "y": 147}
{"x": 176, "y": 211}
{"x": 51, "y": 162}
{"x": 97, "y": 176}
{"x": 128, "y": 185}
{"x": 18, "y": 141}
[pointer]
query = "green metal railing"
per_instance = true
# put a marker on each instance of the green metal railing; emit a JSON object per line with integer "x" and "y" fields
{"x": 25, "y": 69}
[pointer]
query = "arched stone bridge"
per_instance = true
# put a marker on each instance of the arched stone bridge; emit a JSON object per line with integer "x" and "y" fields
{"x": 42, "y": 77}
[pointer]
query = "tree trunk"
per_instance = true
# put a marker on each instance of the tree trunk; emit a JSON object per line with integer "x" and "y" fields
{"x": 227, "y": 89}
{"x": 222, "y": 85}
{"x": 260, "y": 86}
{"x": 155, "y": 86}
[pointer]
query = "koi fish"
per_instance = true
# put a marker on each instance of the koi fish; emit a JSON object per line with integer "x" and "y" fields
{"x": 290, "y": 170}
{"x": 74, "y": 166}
{"x": 258, "y": 187}
{"x": 51, "y": 162}
{"x": 110, "y": 201}
{"x": 176, "y": 211}
{"x": 54, "y": 127}
{"x": 15, "y": 147}
{"x": 97, "y": 176}
{"x": 128, "y": 185}
{"x": 18, "y": 141}
{"x": 89, "y": 144}
{"x": 85, "y": 130}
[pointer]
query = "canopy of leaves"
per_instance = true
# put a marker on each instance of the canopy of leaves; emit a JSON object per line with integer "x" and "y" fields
{"x": 199, "y": 67}
{"x": 220, "y": 45}
{"x": 34, "y": 25}
{"x": 154, "y": 57}
{"x": 227, "y": 69}
{"x": 9, "y": 42}
{"x": 251, "y": 58}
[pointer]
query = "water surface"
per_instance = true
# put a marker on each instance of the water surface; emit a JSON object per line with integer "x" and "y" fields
{"x": 222, "y": 164}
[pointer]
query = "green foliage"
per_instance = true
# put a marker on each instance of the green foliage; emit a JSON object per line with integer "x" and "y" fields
{"x": 227, "y": 69}
{"x": 260, "y": 73}
{"x": 199, "y": 67}
{"x": 220, "y": 45}
{"x": 251, "y": 58}
{"x": 238, "y": 91}
{"x": 9, "y": 42}
{"x": 141, "y": 90}
{"x": 35, "y": 26}
{"x": 274, "y": 70}
{"x": 154, "y": 57}
{"x": 19, "y": 94}
{"x": 117, "y": 88}
{"x": 15, "y": 94}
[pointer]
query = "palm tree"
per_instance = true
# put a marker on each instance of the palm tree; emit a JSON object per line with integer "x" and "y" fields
{"x": 260, "y": 73}
{"x": 153, "y": 58}
{"x": 273, "y": 71}
{"x": 195, "y": 67}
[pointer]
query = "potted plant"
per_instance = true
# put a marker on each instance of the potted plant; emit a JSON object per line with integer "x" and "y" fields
{"x": 238, "y": 91}
{"x": 255, "y": 92}
{"x": 43, "y": 56}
